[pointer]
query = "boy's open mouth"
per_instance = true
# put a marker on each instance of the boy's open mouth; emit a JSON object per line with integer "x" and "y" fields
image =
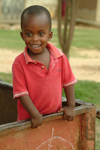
{"x": 35, "y": 46}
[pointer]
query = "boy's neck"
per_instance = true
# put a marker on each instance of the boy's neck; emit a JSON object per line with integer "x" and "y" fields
{"x": 36, "y": 56}
{"x": 43, "y": 57}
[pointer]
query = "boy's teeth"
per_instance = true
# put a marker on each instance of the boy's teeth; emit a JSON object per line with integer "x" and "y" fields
{"x": 35, "y": 46}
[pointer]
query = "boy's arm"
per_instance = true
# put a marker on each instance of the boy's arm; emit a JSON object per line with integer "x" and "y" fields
{"x": 70, "y": 95}
{"x": 36, "y": 117}
{"x": 69, "y": 112}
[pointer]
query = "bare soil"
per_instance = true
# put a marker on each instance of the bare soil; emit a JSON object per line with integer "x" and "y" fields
{"x": 85, "y": 65}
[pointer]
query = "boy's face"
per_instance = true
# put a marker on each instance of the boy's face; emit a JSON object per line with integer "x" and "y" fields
{"x": 36, "y": 32}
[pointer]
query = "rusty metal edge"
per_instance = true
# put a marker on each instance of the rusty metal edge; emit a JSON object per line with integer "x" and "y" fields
{"x": 24, "y": 124}
{"x": 5, "y": 85}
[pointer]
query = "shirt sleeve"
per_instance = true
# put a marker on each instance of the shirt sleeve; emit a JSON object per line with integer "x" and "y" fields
{"x": 19, "y": 83}
{"x": 68, "y": 76}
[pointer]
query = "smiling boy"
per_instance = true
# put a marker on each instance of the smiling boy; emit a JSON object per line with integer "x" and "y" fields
{"x": 41, "y": 71}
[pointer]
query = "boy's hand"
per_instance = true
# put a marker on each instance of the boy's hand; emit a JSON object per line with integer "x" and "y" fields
{"x": 36, "y": 121}
{"x": 69, "y": 113}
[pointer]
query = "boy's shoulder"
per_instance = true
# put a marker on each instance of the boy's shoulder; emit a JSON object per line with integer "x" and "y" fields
{"x": 19, "y": 58}
{"x": 56, "y": 51}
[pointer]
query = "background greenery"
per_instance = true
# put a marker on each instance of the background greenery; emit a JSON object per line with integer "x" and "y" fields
{"x": 83, "y": 38}
{"x": 88, "y": 91}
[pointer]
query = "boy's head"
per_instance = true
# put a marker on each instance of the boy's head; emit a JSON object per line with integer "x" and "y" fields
{"x": 36, "y": 28}
{"x": 35, "y": 10}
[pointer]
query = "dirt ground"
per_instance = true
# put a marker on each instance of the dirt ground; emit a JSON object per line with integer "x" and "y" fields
{"x": 85, "y": 65}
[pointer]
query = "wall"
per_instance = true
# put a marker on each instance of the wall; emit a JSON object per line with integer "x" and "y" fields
{"x": 10, "y": 10}
{"x": 87, "y": 9}
{"x": 51, "y": 5}
{"x": 98, "y": 11}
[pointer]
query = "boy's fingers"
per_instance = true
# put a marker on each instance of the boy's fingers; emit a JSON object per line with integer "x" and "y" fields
{"x": 62, "y": 109}
{"x": 32, "y": 126}
{"x": 68, "y": 118}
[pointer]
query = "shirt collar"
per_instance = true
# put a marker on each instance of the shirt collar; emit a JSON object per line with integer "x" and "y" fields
{"x": 54, "y": 50}
{"x": 27, "y": 57}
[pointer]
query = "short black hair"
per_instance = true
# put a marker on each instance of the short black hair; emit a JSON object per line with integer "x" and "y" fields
{"x": 36, "y": 10}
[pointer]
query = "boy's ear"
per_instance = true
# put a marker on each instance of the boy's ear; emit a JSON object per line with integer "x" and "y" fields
{"x": 50, "y": 35}
{"x": 22, "y": 36}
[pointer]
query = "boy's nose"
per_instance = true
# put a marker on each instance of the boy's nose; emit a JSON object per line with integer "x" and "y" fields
{"x": 35, "y": 38}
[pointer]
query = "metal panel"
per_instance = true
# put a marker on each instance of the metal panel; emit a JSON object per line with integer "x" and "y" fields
{"x": 55, "y": 133}
{"x": 8, "y": 106}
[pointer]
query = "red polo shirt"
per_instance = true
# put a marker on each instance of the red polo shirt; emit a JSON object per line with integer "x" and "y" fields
{"x": 44, "y": 87}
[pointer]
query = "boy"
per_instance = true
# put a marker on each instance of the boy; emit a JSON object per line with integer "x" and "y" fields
{"x": 41, "y": 71}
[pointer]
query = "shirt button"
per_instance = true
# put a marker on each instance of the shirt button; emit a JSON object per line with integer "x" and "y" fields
{"x": 42, "y": 67}
{"x": 35, "y": 63}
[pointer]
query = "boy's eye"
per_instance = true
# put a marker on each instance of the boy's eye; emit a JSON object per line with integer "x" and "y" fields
{"x": 28, "y": 34}
{"x": 41, "y": 33}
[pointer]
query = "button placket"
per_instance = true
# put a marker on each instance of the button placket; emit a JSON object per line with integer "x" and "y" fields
{"x": 35, "y": 63}
{"x": 42, "y": 67}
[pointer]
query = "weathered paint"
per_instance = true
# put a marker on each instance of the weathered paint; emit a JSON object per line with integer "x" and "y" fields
{"x": 88, "y": 131}
{"x": 54, "y": 134}
{"x": 40, "y": 137}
